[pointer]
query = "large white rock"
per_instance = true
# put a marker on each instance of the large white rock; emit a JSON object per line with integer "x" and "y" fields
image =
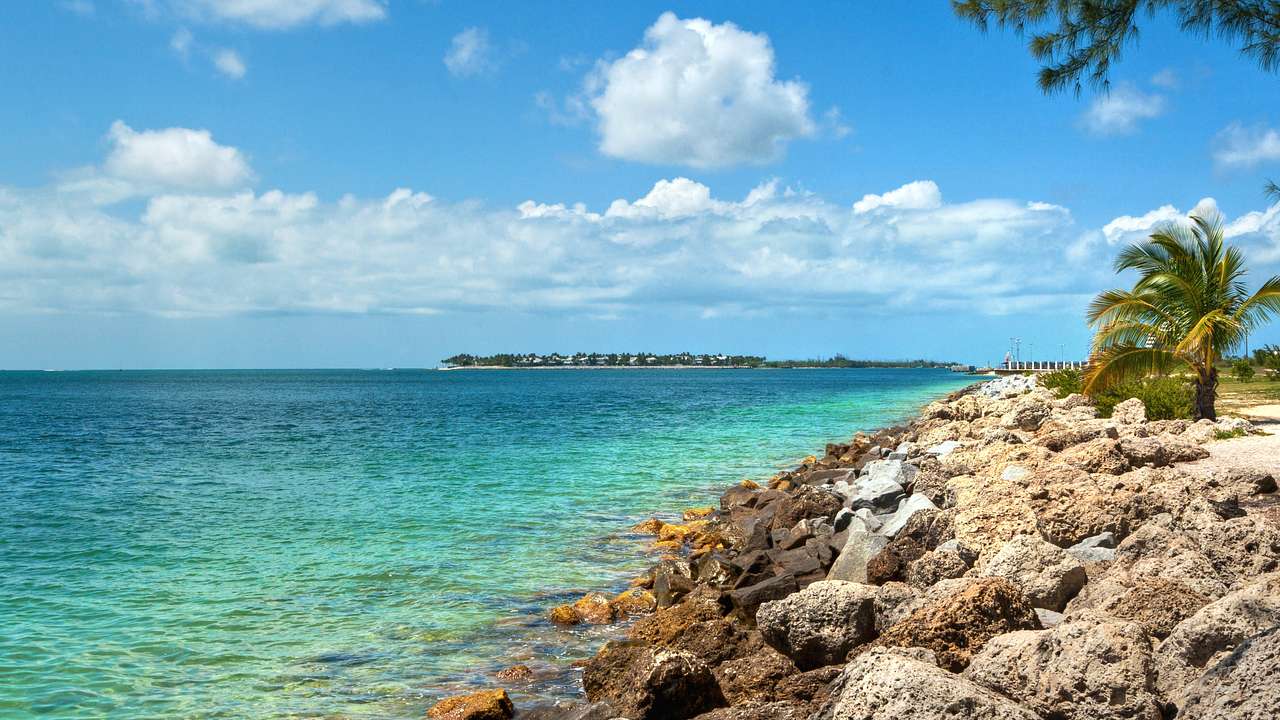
{"x": 1048, "y": 576}
{"x": 908, "y": 507}
{"x": 819, "y": 625}
{"x": 883, "y": 684}
{"x": 1084, "y": 670}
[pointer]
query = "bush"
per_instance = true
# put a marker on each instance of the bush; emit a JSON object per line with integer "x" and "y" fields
{"x": 1166, "y": 398}
{"x": 1064, "y": 382}
{"x": 1242, "y": 369}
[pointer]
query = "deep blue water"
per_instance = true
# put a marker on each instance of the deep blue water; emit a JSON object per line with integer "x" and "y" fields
{"x": 355, "y": 543}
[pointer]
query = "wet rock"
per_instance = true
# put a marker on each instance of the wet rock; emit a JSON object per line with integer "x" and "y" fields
{"x": 1214, "y": 631}
{"x": 483, "y": 705}
{"x": 515, "y": 673}
{"x": 636, "y": 601}
{"x": 956, "y": 626}
{"x": 564, "y": 615}
{"x": 884, "y": 684}
{"x": 1075, "y": 671}
{"x": 644, "y": 683}
{"x": 851, "y": 564}
{"x": 820, "y": 624}
{"x": 1241, "y": 686}
{"x": 648, "y": 527}
{"x": 594, "y": 609}
{"x": 1048, "y": 576}
{"x": 1129, "y": 412}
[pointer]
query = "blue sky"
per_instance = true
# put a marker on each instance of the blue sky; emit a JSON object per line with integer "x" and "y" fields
{"x": 264, "y": 183}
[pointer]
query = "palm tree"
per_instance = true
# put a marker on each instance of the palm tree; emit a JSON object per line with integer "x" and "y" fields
{"x": 1188, "y": 308}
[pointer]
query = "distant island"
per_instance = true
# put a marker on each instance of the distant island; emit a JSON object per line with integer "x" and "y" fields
{"x": 683, "y": 360}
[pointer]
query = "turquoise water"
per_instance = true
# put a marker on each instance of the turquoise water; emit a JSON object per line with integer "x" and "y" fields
{"x": 355, "y": 543}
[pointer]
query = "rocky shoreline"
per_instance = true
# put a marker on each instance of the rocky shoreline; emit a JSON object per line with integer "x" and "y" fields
{"x": 1006, "y": 554}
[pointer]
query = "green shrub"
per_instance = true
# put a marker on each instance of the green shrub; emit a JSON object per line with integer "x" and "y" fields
{"x": 1064, "y": 382}
{"x": 1242, "y": 369}
{"x": 1165, "y": 398}
{"x": 1228, "y": 434}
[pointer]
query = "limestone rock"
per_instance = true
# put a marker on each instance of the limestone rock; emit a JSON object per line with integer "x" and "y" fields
{"x": 1048, "y": 576}
{"x": 956, "y": 626}
{"x": 644, "y": 683}
{"x": 1241, "y": 686}
{"x": 885, "y": 684}
{"x": 1097, "y": 456}
{"x": 1129, "y": 412}
{"x": 1075, "y": 671}
{"x": 483, "y": 705}
{"x": 1200, "y": 641}
{"x": 820, "y": 624}
{"x": 1028, "y": 414}
{"x": 936, "y": 565}
{"x": 1159, "y": 451}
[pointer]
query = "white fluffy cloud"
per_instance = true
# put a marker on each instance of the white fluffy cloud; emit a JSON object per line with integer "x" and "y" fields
{"x": 697, "y": 94}
{"x": 921, "y": 194}
{"x": 284, "y": 14}
{"x": 179, "y": 158}
{"x": 1130, "y": 228}
{"x": 229, "y": 63}
{"x": 470, "y": 53}
{"x": 1120, "y": 111}
{"x": 211, "y": 251}
{"x": 1239, "y": 147}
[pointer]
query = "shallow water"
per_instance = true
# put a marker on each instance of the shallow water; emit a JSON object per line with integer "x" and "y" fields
{"x": 355, "y": 543}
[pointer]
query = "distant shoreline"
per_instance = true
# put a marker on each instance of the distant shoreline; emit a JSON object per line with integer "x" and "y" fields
{"x": 681, "y": 367}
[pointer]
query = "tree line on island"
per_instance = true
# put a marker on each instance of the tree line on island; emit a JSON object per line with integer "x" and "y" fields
{"x": 685, "y": 359}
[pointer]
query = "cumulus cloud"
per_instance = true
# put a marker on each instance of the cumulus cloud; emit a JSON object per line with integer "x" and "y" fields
{"x": 470, "y": 53}
{"x": 217, "y": 248}
{"x": 229, "y": 63}
{"x": 283, "y": 14}
{"x": 1121, "y": 110}
{"x": 1166, "y": 78}
{"x": 697, "y": 94}
{"x": 1237, "y": 146}
{"x": 173, "y": 158}
{"x": 1130, "y": 228}
{"x": 920, "y": 194}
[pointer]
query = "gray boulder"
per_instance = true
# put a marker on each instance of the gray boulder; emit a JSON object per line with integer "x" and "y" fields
{"x": 890, "y": 684}
{"x": 1048, "y": 576}
{"x": 851, "y": 564}
{"x": 819, "y": 625}
{"x": 908, "y": 507}
{"x": 1241, "y": 686}
{"x": 1074, "y": 671}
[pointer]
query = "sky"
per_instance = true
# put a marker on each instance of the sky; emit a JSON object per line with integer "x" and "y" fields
{"x": 384, "y": 183}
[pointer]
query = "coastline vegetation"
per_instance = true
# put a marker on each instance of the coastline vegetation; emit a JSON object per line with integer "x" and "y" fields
{"x": 1188, "y": 310}
{"x": 582, "y": 359}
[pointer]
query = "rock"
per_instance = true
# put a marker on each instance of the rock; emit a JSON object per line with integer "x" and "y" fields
{"x": 1072, "y": 401}
{"x": 1235, "y": 425}
{"x": 820, "y": 624}
{"x": 1214, "y": 631}
{"x": 1028, "y": 414}
{"x": 751, "y": 597}
{"x": 1098, "y": 548}
{"x": 934, "y": 566}
{"x": 806, "y": 502}
{"x": 1075, "y": 671}
{"x": 515, "y": 673}
{"x": 1049, "y": 618}
{"x": 648, "y": 527}
{"x": 884, "y": 684}
{"x": 943, "y": 448}
{"x": 1245, "y": 481}
{"x": 1097, "y": 456}
{"x": 643, "y": 683}
{"x": 778, "y": 710}
{"x": 875, "y": 493}
{"x": 1241, "y": 686}
{"x": 1156, "y": 604}
{"x": 754, "y": 677}
{"x": 956, "y": 626}
{"x": 906, "y": 509}
{"x": 1048, "y": 576}
{"x": 851, "y": 564}
{"x": 668, "y": 626}
{"x": 564, "y": 615}
{"x": 672, "y": 580}
{"x": 636, "y": 601}
{"x": 1159, "y": 451}
{"x": 594, "y": 609}
{"x": 483, "y": 705}
{"x": 1061, "y": 439}
{"x": 1129, "y": 412}
{"x": 737, "y": 496}
{"x": 570, "y": 711}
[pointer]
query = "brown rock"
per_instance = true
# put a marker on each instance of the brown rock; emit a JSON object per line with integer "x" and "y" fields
{"x": 515, "y": 673}
{"x": 807, "y": 502}
{"x": 1156, "y": 604}
{"x": 754, "y": 678}
{"x": 594, "y": 609}
{"x": 935, "y": 566}
{"x": 635, "y": 601}
{"x": 564, "y": 615}
{"x": 1097, "y": 456}
{"x": 957, "y": 626}
{"x": 648, "y": 527}
{"x": 644, "y": 683}
{"x": 484, "y": 705}
{"x": 698, "y": 513}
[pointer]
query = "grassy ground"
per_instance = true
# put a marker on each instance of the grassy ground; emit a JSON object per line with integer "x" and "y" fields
{"x": 1234, "y": 395}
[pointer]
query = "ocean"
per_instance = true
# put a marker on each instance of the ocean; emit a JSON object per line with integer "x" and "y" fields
{"x": 283, "y": 544}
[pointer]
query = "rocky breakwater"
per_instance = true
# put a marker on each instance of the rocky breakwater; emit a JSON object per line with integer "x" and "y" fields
{"x": 1005, "y": 555}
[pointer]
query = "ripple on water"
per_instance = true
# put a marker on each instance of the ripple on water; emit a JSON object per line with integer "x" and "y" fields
{"x": 356, "y": 544}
